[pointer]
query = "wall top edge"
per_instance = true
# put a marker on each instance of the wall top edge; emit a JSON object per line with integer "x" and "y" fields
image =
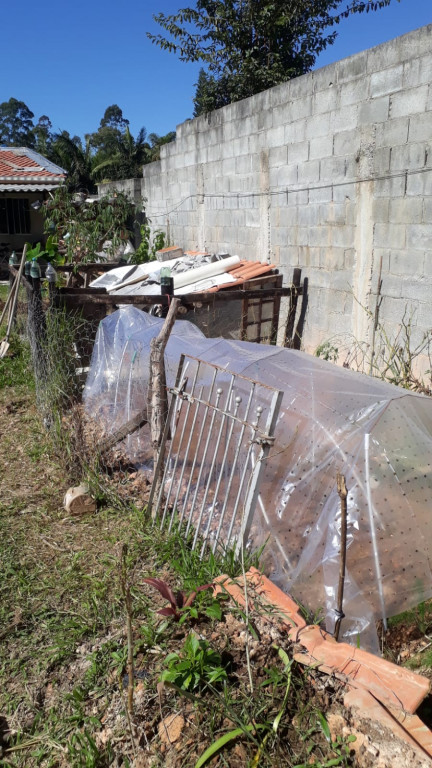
{"x": 405, "y": 47}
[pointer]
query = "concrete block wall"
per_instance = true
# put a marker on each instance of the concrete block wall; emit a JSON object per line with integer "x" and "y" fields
{"x": 330, "y": 172}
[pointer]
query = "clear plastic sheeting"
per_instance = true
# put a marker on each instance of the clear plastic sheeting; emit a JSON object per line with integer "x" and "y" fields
{"x": 331, "y": 421}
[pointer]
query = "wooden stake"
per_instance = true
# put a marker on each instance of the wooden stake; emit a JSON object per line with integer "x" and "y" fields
{"x": 342, "y": 491}
{"x": 157, "y": 393}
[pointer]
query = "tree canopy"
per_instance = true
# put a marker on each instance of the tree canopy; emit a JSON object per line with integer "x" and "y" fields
{"x": 16, "y": 124}
{"x": 248, "y": 46}
{"x": 111, "y": 153}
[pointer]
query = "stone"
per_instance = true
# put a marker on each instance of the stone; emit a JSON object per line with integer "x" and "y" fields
{"x": 170, "y": 728}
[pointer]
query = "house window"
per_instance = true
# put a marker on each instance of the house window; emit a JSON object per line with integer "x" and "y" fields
{"x": 14, "y": 216}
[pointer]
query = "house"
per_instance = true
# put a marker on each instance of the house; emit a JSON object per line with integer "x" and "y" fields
{"x": 26, "y": 178}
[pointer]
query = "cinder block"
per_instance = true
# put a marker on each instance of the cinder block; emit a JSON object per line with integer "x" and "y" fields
{"x": 427, "y": 210}
{"x": 265, "y": 119}
{"x": 332, "y": 258}
{"x": 285, "y": 176}
{"x": 344, "y": 119}
{"x": 308, "y": 215}
{"x": 325, "y": 101}
{"x": 380, "y": 210}
{"x": 408, "y": 157}
{"x": 243, "y": 164}
{"x": 409, "y": 102}
{"x": 386, "y": 81}
{"x": 293, "y": 110}
{"x": 419, "y": 236}
{"x": 417, "y": 290}
{"x": 318, "y": 125}
{"x": 320, "y": 147}
{"x": 418, "y": 71}
{"x": 354, "y": 92}
{"x": 343, "y": 237}
{"x": 427, "y": 269}
{"x": 346, "y": 142}
{"x": 389, "y": 235}
{"x": 332, "y": 169}
{"x": 252, "y": 217}
{"x": 381, "y": 160}
{"x": 229, "y": 166}
{"x": 275, "y": 137}
{"x": 323, "y": 78}
{"x": 393, "y": 132}
{"x": 344, "y": 192}
{"x": 278, "y": 156}
{"x": 420, "y": 127}
{"x": 354, "y": 66}
{"x": 322, "y": 193}
{"x": 393, "y": 187}
{"x": 375, "y": 111}
{"x": 295, "y": 132}
{"x": 419, "y": 184}
{"x": 406, "y": 264}
{"x": 308, "y": 173}
{"x": 334, "y": 213}
{"x": 298, "y": 152}
{"x": 248, "y": 126}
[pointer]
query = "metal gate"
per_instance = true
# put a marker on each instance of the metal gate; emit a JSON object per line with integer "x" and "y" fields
{"x": 218, "y": 434}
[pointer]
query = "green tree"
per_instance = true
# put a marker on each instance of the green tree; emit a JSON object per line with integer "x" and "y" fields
{"x": 156, "y": 142}
{"x": 106, "y": 139}
{"x": 113, "y": 118}
{"x": 43, "y": 136}
{"x": 248, "y": 46}
{"x": 16, "y": 124}
{"x": 126, "y": 158}
{"x": 76, "y": 158}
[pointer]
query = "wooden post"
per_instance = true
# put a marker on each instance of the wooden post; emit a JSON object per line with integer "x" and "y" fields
{"x": 342, "y": 491}
{"x": 289, "y": 333}
{"x": 36, "y": 318}
{"x": 157, "y": 392}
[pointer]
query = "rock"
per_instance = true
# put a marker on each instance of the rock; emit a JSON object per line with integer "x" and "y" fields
{"x": 77, "y": 501}
{"x": 170, "y": 728}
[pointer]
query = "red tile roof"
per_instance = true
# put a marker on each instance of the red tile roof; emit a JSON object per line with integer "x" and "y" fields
{"x": 22, "y": 164}
{"x": 243, "y": 271}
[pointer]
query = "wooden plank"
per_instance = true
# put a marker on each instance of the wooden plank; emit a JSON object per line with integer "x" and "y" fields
{"x": 89, "y": 267}
{"x": 127, "y": 429}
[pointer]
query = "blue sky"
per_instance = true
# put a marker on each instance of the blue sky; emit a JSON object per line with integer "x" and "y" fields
{"x": 70, "y": 60}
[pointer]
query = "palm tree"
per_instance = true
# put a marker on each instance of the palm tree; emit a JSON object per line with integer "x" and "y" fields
{"x": 127, "y": 161}
{"x": 76, "y": 159}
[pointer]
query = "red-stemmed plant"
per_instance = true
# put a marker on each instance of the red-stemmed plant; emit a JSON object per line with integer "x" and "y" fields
{"x": 179, "y": 601}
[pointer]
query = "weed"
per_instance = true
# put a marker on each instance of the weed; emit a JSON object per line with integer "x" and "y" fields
{"x": 195, "y": 666}
{"x": 180, "y": 604}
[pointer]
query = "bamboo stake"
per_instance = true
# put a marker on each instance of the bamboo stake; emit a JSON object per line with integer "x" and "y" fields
{"x": 342, "y": 491}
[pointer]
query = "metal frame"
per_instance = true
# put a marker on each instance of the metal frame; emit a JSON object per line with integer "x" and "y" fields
{"x": 203, "y": 478}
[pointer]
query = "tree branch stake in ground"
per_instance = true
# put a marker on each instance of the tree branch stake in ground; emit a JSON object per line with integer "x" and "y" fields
{"x": 342, "y": 491}
{"x": 157, "y": 392}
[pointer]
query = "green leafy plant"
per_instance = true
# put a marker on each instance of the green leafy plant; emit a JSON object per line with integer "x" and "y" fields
{"x": 48, "y": 253}
{"x": 195, "y": 666}
{"x": 180, "y": 603}
{"x": 149, "y": 246}
{"x": 84, "y": 229}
